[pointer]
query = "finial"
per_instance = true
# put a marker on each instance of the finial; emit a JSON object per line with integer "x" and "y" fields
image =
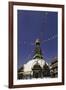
{"x": 37, "y": 41}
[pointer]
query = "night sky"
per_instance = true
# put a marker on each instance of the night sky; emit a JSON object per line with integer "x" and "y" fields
{"x": 33, "y": 25}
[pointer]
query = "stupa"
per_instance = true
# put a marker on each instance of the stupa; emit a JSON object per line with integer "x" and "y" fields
{"x": 37, "y": 67}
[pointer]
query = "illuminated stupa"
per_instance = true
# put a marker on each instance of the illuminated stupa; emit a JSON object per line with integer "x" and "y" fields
{"x": 37, "y": 67}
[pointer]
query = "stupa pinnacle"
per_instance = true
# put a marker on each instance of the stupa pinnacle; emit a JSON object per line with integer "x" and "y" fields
{"x": 37, "y": 51}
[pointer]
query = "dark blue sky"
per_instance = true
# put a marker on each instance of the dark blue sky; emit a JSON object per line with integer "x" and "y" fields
{"x": 33, "y": 25}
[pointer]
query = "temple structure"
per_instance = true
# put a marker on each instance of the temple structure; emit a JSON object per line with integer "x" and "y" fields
{"x": 37, "y": 67}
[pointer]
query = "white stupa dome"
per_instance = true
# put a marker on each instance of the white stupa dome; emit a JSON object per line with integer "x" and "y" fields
{"x": 29, "y": 65}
